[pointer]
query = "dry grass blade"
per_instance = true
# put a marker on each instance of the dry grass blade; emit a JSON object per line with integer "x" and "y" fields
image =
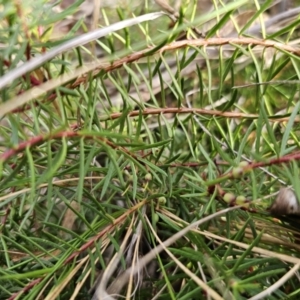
{"x": 277, "y": 284}
{"x": 119, "y": 282}
{"x": 205, "y": 287}
{"x": 78, "y": 41}
{"x": 101, "y": 292}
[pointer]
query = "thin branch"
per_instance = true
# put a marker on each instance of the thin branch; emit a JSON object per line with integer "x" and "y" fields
{"x": 78, "y": 41}
{"x": 67, "y": 133}
{"x": 99, "y": 66}
{"x": 200, "y": 111}
{"x": 242, "y": 170}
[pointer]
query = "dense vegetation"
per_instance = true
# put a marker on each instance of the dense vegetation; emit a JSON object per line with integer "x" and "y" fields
{"x": 140, "y": 149}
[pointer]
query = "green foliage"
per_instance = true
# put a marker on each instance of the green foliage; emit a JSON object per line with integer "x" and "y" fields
{"x": 122, "y": 147}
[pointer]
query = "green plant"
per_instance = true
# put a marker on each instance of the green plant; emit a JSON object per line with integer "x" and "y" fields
{"x": 122, "y": 167}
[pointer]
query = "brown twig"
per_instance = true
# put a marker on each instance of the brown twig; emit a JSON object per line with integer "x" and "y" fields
{"x": 63, "y": 134}
{"x": 189, "y": 43}
{"x": 183, "y": 110}
{"x": 107, "y": 67}
{"x": 26, "y": 288}
{"x": 106, "y": 230}
{"x": 242, "y": 170}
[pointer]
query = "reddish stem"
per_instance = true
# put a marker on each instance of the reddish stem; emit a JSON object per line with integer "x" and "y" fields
{"x": 26, "y": 288}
